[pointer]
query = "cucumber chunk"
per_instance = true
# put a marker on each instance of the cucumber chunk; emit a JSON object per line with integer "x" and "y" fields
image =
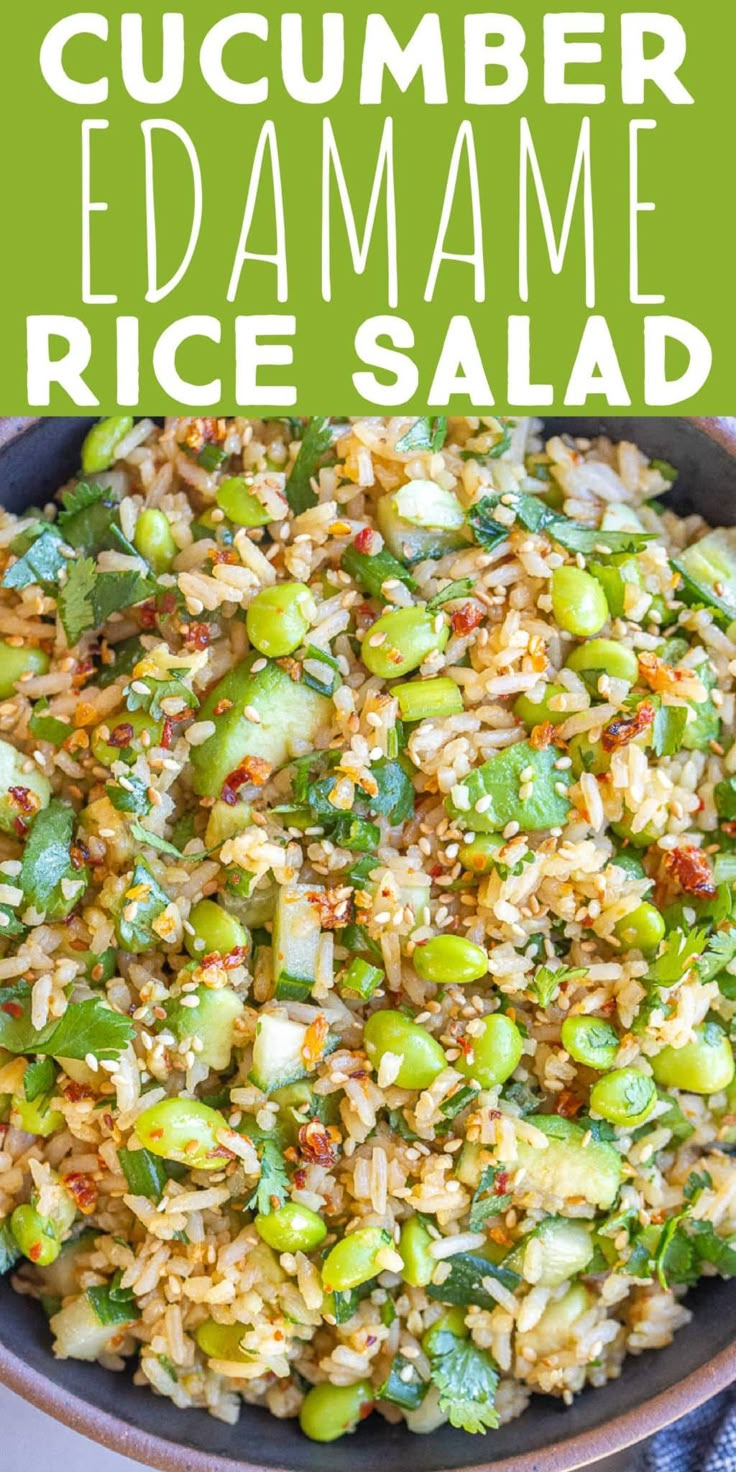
{"x": 277, "y": 1052}
{"x": 411, "y": 541}
{"x": 296, "y": 938}
{"x": 291, "y": 717}
{"x": 212, "y": 1021}
{"x": 558, "y": 1249}
{"x": 567, "y": 1168}
{"x": 709, "y": 570}
{"x": 13, "y": 774}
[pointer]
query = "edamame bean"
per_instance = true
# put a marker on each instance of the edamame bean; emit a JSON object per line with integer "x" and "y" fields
{"x": 440, "y": 1336}
{"x": 355, "y": 1259}
{"x": 215, "y": 930}
{"x": 134, "y": 731}
{"x": 35, "y": 1116}
{"x": 422, "y": 1058}
{"x": 240, "y": 504}
{"x": 18, "y": 661}
{"x": 400, "y": 640}
{"x": 221, "y": 1341}
{"x": 152, "y": 538}
{"x": 537, "y": 712}
{"x": 414, "y": 1252}
{"x": 642, "y": 929}
{"x": 606, "y": 656}
{"x": 292, "y": 1228}
{"x": 278, "y": 618}
{"x": 625, "y": 1097}
{"x": 704, "y": 1066}
{"x": 98, "y": 450}
{"x": 480, "y": 854}
{"x": 578, "y": 601}
{"x": 590, "y": 1041}
{"x": 34, "y": 1236}
{"x": 450, "y": 958}
{"x": 184, "y": 1130}
{"x": 495, "y": 1051}
{"x": 329, "y": 1411}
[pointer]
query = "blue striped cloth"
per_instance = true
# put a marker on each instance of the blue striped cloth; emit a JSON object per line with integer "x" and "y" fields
{"x": 704, "y": 1441}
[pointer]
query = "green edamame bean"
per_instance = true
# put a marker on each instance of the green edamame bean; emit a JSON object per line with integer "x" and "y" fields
{"x": 329, "y": 1411}
{"x": 450, "y": 958}
{"x": 292, "y": 1228}
{"x": 578, "y": 601}
{"x": 34, "y": 1236}
{"x": 215, "y": 929}
{"x": 278, "y": 618}
{"x": 354, "y": 1259}
{"x": 642, "y": 929}
{"x": 537, "y": 712}
{"x": 221, "y": 1341}
{"x": 35, "y": 1116}
{"x": 184, "y": 1130}
{"x": 400, "y": 640}
{"x": 441, "y": 1335}
{"x": 414, "y": 1252}
{"x": 590, "y": 1041}
{"x": 15, "y": 663}
{"x": 625, "y": 1097}
{"x": 422, "y": 1058}
{"x": 133, "y": 732}
{"x": 152, "y": 538}
{"x": 704, "y": 1066}
{"x": 98, "y": 450}
{"x": 480, "y": 855}
{"x": 607, "y": 656}
{"x": 495, "y": 1052}
{"x": 240, "y": 504}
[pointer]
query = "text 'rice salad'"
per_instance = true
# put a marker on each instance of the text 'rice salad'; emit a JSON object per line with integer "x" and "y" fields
{"x": 367, "y": 961}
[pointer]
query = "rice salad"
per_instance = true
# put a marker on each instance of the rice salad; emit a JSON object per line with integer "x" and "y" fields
{"x": 367, "y": 960}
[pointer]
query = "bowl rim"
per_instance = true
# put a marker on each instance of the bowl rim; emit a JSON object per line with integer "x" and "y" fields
{"x": 564, "y": 1455}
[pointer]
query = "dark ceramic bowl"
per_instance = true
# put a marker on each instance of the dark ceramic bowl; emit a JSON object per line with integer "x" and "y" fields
{"x": 654, "y": 1389}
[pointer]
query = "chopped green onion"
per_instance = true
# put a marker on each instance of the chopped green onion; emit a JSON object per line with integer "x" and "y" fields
{"x": 362, "y": 978}
{"x": 145, "y": 1173}
{"x": 420, "y": 700}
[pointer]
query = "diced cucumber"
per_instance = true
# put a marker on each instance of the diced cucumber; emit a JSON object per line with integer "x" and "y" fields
{"x": 619, "y": 517}
{"x": 471, "y": 1162}
{"x": 277, "y": 1052}
{"x": 709, "y": 570}
{"x": 410, "y": 542}
{"x": 78, "y": 1333}
{"x": 296, "y": 937}
{"x": 59, "y": 1279}
{"x": 567, "y": 1168}
{"x": 212, "y": 1021}
{"x": 225, "y": 822}
{"x": 21, "y": 773}
{"x": 562, "y": 1248}
{"x": 291, "y": 717}
{"x": 552, "y": 1333}
{"x": 425, "y": 504}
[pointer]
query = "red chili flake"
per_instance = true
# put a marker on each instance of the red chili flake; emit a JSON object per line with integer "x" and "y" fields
{"x": 121, "y": 735}
{"x": 494, "y": 1113}
{"x": 13, "y": 1009}
{"x": 364, "y": 539}
{"x": 147, "y": 614}
{"x": 198, "y": 635}
{"x": 568, "y": 1104}
{"x": 224, "y": 554}
{"x": 300, "y": 1179}
{"x": 319, "y": 1143}
{"x": 23, "y": 799}
{"x": 365, "y": 615}
{"x": 74, "y": 1092}
{"x": 20, "y": 827}
{"x": 625, "y": 728}
{"x": 542, "y": 736}
{"x": 222, "y": 706}
{"x": 35, "y": 1250}
{"x": 236, "y": 957}
{"x": 167, "y": 733}
{"x": 435, "y": 871}
{"x": 730, "y": 829}
{"x": 79, "y": 854}
{"x": 501, "y": 1183}
{"x": 166, "y": 602}
{"x": 366, "y": 1410}
{"x": 466, "y": 618}
{"x": 254, "y": 769}
{"x": 291, "y": 667}
{"x": 692, "y": 871}
{"x": 83, "y": 1189}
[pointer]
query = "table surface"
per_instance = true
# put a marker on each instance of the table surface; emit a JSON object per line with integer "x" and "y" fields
{"x": 32, "y": 1439}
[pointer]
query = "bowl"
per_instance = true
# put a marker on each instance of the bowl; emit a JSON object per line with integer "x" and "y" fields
{"x": 655, "y": 1388}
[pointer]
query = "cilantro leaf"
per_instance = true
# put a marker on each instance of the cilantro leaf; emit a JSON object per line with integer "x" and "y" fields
{"x": 49, "y": 878}
{"x": 395, "y": 795}
{"x": 129, "y": 796}
{"x": 143, "y": 902}
{"x": 158, "y": 690}
{"x": 502, "y": 444}
{"x": 537, "y": 516}
{"x": 90, "y": 519}
{"x": 467, "y": 1380}
{"x": 488, "y": 1200}
{"x": 41, "y": 564}
{"x": 424, "y": 434}
{"x": 460, "y": 588}
{"x": 9, "y": 923}
{"x": 88, "y": 597}
{"x": 273, "y": 1184}
{"x": 721, "y": 949}
{"x": 488, "y": 532}
{"x": 48, "y": 728}
{"x": 465, "y": 1281}
{"x": 669, "y": 727}
{"x": 10, "y": 1252}
{"x": 680, "y": 952}
{"x": 86, "y": 1027}
{"x": 162, "y": 845}
{"x": 547, "y": 982}
{"x": 39, "y": 1078}
{"x": 125, "y": 656}
{"x": 316, "y": 441}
